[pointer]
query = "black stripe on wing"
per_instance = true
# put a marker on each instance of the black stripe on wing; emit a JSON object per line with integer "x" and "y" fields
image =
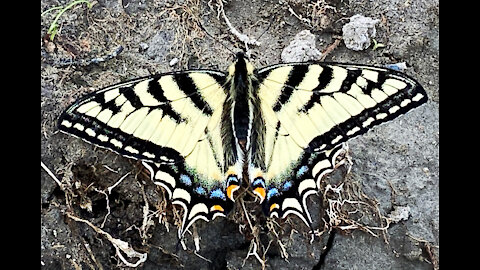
{"x": 155, "y": 89}
{"x": 295, "y": 78}
{"x": 186, "y": 84}
{"x": 325, "y": 77}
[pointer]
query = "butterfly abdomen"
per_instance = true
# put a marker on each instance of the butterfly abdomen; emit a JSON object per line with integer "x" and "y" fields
{"x": 241, "y": 120}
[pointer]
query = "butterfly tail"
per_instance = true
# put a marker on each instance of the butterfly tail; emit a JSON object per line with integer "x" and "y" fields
{"x": 291, "y": 197}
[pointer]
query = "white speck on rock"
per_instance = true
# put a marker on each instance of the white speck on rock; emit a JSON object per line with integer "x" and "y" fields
{"x": 399, "y": 213}
{"x": 143, "y": 46}
{"x": 173, "y": 61}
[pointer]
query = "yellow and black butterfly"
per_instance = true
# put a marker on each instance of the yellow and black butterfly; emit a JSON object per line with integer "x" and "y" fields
{"x": 199, "y": 132}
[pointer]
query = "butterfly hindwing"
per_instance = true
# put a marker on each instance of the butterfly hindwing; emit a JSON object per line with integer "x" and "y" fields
{"x": 184, "y": 189}
{"x": 310, "y": 109}
{"x": 172, "y": 122}
{"x": 290, "y": 196}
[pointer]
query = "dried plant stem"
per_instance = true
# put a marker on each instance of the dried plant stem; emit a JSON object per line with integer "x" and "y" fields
{"x": 119, "y": 245}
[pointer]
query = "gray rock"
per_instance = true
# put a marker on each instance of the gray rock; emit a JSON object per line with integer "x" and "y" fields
{"x": 157, "y": 47}
{"x": 301, "y": 48}
{"x": 358, "y": 33}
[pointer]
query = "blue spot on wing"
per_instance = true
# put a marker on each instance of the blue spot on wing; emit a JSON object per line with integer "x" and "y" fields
{"x": 301, "y": 171}
{"x": 287, "y": 185}
{"x": 200, "y": 190}
{"x": 231, "y": 179}
{"x": 259, "y": 181}
{"x": 185, "y": 179}
{"x": 272, "y": 192}
{"x": 217, "y": 194}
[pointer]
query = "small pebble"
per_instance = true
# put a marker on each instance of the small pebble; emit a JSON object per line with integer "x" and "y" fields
{"x": 301, "y": 49}
{"x": 357, "y": 34}
{"x": 397, "y": 66}
{"x": 173, "y": 61}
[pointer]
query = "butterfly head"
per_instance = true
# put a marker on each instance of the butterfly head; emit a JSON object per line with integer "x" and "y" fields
{"x": 240, "y": 65}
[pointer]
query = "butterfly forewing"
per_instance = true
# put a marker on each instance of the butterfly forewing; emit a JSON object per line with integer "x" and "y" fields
{"x": 173, "y": 123}
{"x": 310, "y": 109}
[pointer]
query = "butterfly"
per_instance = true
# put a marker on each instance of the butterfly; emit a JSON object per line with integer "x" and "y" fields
{"x": 200, "y": 133}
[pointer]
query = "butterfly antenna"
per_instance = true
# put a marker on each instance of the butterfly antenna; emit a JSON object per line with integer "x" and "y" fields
{"x": 213, "y": 37}
{"x": 268, "y": 28}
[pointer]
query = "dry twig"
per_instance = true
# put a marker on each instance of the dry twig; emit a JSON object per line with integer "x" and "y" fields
{"x": 330, "y": 48}
{"x": 253, "y": 252}
{"x": 120, "y": 245}
{"x": 242, "y": 37}
{"x": 51, "y": 175}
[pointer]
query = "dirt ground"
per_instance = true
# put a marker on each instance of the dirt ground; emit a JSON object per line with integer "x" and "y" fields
{"x": 389, "y": 202}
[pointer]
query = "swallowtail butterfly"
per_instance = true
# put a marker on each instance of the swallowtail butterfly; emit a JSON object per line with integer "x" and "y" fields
{"x": 200, "y": 132}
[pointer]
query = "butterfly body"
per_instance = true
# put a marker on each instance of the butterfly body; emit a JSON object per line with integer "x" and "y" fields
{"x": 199, "y": 132}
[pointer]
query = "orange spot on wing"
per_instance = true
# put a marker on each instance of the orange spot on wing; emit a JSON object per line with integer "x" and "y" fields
{"x": 260, "y": 191}
{"x": 230, "y": 190}
{"x": 217, "y": 207}
{"x": 273, "y": 206}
